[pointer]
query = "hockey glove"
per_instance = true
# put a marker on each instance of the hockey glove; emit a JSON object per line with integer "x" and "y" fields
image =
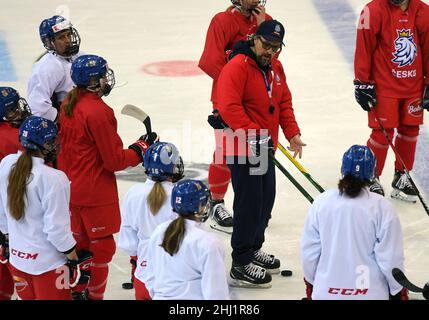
{"x": 133, "y": 261}
{"x": 425, "y": 102}
{"x": 215, "y": 120}
{"x": 79, "y": 269}
{"x": 308, "y": 289}
{"x": 260, "y": 145}
{"x": 143, "y": 143}
{"x": 4, "y": 248}
{"x": 401, "y": 295}
{"x": 365, "y": 95}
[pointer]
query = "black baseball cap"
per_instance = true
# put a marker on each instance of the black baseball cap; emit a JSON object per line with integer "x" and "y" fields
{"x": 271, "y": 30}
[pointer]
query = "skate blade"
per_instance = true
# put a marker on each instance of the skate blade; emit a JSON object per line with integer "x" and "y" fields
{"x": 215, "y": 226}
{"x": 396, "y": 194}
{"x": 273, "y": 271}
{"x": 244, "y": 284}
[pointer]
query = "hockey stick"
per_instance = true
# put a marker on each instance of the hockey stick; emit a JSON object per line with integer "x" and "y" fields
{"x": 400, "y": 277}
{"x": 291, "y": 179}
{"x": 300, "y": 168}
{"x": 402, "y": 163}
{"x": 139, "y": 114}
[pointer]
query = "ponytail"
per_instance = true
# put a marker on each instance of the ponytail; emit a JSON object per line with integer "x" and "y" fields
{"x": 156, "y": 197}
{"x": 71, "y": 99}
{"x": 174, "y": 235}
{"x": 17, "y": 187}
{"x": 351, "y": 186}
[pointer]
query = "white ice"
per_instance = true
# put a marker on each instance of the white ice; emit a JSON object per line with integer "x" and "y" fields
{"x": 132, "y": 33}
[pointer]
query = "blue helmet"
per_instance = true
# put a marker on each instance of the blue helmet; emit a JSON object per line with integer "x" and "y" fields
{"x": 162, "y": 160}
{"x": 188, "y": 196}
{"x": 359, "y": 162}
{"x": 50, "y": 27}
{"x": 11, "y": 102}
{"x": 89, "y": 71}
{"x": 36, "y": 133}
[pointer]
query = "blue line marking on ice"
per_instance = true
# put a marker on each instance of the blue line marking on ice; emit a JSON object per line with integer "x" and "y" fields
{"x": 340, "y": 19}
{"x": 7, "y": 71}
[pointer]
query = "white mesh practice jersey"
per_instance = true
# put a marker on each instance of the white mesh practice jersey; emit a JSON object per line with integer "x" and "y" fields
{"x": 350, "y": 246}
{"x": 195, "y": 272}
{"x": 37, "y": 240}
{"x": 51, "y": 75}
{"x": 138, "y": 222}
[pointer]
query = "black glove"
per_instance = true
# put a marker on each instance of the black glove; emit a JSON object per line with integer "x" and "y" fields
{"x": 425, "y": 102}
{"x": 143, "y": 143}
{"x": 365, "y": 94}
{"x": 215, "y": 120}
{"x": 79, "y": 269}
{"x": 260, "y": 145}
{"x": 4, "y": 248}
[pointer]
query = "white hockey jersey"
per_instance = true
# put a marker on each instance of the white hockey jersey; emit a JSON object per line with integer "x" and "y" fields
{"x": 350, "y": 246}
{"x": 37, "y": 240}
{"x": 138, "y": 222}
{"x": 195, "y": 272}
{"x": 51, "y": 74}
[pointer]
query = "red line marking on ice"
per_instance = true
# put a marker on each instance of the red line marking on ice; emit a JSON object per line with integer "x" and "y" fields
{"x": 174, "y": 68}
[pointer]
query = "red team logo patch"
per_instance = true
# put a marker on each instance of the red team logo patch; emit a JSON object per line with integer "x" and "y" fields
{"x": 415, "y": 108}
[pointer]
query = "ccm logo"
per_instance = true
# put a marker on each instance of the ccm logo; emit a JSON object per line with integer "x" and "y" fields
{"x": 24, "y": 255}
{"x": 348, "y": 292}
{"x": 364, "y": 86}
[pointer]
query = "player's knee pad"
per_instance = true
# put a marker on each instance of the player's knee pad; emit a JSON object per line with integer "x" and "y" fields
{"x": 408, "y": 131}
{"x": 103, "y": 249}
{"x": 377, "y": 137}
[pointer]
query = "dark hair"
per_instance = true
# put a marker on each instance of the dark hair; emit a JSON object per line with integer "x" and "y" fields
{"x": 174, "y": 235}
{"x": 351, "y": 186}
{"x": 17, "y": 186}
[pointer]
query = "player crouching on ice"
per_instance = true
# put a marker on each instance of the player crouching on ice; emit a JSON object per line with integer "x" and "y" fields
{"x": 34, "y": 216}
{"x": 352, "y": 238}
{"x": 148, "y": 204}
{"x": 186, "y": 262}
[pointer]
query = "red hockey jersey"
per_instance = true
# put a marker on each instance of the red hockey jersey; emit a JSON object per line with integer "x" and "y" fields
{"x": 9, "y": 141}
{"x": 225, "y": 30}
{"x": 392, "y": 48}
{"x": 91, "y": 151}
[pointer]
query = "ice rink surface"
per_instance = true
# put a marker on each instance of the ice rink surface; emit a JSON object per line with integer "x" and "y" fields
{"x": 139, "y": 36}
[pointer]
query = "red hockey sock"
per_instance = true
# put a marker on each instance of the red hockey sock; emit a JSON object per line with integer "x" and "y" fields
{"x": 405, "y": 144}
{"x": 103, "y": 251}
{"x": 219, "y": 178}
{"x": 379, "y": 145}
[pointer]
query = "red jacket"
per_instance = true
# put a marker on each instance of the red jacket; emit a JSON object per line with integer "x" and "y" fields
{"x": 225, "y": 30}
{"x": 91, "y": 151}
{"x": 392, "y": 48}
{"x": 9, "y": 141}
{"x": 244, "y": 102}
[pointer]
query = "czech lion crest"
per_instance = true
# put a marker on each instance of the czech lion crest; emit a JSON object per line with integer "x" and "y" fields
{"x": 406, "y": 49}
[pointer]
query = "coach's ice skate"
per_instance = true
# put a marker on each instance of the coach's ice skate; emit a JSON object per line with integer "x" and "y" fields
{"x": 249, "y": 276}
{"x": 376, "y": 187}
{"x": 402, "y": 188}
{"x": 267, "y": 261}
{"x": 221, "y": 218}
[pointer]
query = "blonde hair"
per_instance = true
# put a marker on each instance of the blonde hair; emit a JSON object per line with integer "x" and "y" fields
{"x": 156, "y": 197}
{"x": 17, "y": 187}
{"x": 71, "y": 100}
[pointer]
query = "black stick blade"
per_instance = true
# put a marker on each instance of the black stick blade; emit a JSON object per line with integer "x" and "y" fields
{"x": 403, "y": 281}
